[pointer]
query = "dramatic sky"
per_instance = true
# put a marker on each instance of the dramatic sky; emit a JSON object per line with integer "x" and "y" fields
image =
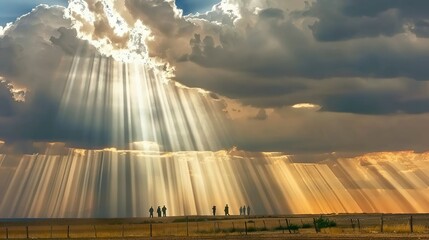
{"x": 295, "y": 76}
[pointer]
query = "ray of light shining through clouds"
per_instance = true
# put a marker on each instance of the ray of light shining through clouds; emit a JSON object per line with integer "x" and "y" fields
{"x": 115, "y": 183}
{"x": 114, "y": 103}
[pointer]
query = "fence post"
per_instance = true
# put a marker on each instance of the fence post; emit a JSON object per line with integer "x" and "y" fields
{"x": 26, "y": 230}
{"x": 281, "y": 227}
{"x": 288, "y": 226}
{"x": 7, "y": 233}
{"x": 95, "y": 231}
{"x": 382, "y": 223}
{"x": 68, "y": 231}
{"x": 358, "y": 221}
{"x": 353, "y": 224}
{"x": 187, "y": 226}
{"x": 411, "y": 224}
{"x": 245, "y": 227}
{"x": 315, "y": 225}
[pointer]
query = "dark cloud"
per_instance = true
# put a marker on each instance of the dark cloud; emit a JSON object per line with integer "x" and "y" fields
{"x": 272, "y": 13}
{"x": 29, "y": 60}
{"x": 337, "y": 28}
{"x": 374, "y": 103}
{"x": 10, "y": 53}
{"x": 67, "y": 41}
{"x": 341, "y": 20}
{"x": 421, "y": 28}
{"x": 272, "y": 59}
{"x": 279, "y": 48}
{"x": 6, "y": 100}
{"x": 306, "y": 131}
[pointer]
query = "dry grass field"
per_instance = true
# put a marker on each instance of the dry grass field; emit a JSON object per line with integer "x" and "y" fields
{"x": 344, "y": 226}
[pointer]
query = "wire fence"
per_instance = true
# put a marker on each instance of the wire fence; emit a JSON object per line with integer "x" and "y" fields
{"x": 200, "y": 226}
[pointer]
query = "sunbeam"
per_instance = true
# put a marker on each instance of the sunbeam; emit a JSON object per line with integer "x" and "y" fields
{"x": 111, "y": 103}
{"x": 125, "y": 183}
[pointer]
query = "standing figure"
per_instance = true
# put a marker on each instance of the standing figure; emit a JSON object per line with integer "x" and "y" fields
{"x": 214, "y": 210}
{"x": 244, "y": 210}
{"x": 158, "y": 210}
{"x": 151, "y": 212}
{"x": 241, "y": 211}
{"x": 226, "y": 210}
{"x": 164, "y": 211}
{"x": 248, "y": 210}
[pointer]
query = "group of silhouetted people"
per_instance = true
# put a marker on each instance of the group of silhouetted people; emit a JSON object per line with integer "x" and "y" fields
{"x": 163, "y": 211}
{"x": 158, "y": 211}
{"x": 243, "y": 210}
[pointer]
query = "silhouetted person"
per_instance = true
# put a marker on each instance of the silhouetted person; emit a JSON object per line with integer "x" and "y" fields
{"x": 226, "y": 210}
{"x": 244, "y": 210}
{"x": 214, "y": 210}
{"x": 248, "y": 210}
{"x": 158, "y": 210}
{"x": 164, "y": 211}
{"x": 151, "y": 212}
{"x": 241, "y": 211}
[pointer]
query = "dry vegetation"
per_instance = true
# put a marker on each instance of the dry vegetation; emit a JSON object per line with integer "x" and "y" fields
{"x": 234, "y": 227}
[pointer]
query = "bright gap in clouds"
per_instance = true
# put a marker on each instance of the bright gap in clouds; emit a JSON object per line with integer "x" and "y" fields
{"x": 306, "y": 106}
{"x": 123, "y": 42}
{"x": 122, "y": 96}
{"x": 194, "y": 6}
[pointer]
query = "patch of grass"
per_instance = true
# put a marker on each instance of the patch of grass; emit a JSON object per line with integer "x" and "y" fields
{"x": 181, "y": 220}
{"x": 263, "y": 229}
{"x": 403, "y": 228}
{"x": 307, "y": 225}
{"x": 229, "y": 230}
{"x": 292, "y": 227}
{"x": 207, "y": 231}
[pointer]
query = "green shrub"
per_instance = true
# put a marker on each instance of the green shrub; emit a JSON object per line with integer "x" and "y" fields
{"x": 322, "y": 222}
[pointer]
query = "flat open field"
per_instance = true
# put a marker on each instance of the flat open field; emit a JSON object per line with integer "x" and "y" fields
{"x": 342, "y": 226}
